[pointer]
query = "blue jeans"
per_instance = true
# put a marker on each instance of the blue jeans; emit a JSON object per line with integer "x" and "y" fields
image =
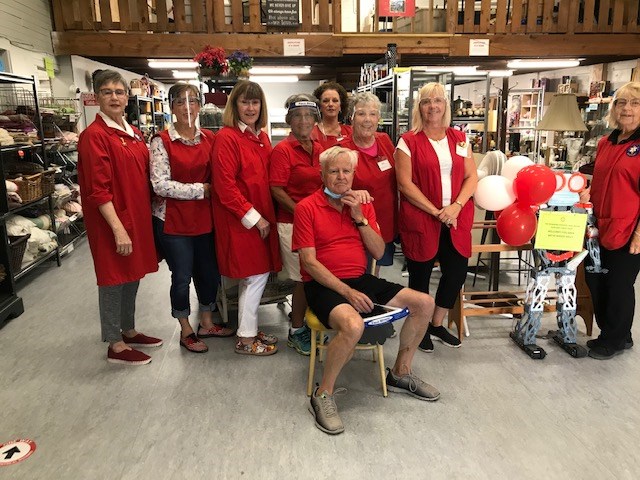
{"x": 187, "y": 258}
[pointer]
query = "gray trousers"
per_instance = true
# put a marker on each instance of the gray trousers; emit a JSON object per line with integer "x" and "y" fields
{"x": 117, "y": 305}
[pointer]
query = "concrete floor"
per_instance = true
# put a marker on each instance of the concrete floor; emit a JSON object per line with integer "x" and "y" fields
{"x": 226, "y": 416}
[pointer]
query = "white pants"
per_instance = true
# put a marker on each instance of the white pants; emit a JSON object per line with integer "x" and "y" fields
{"x": 250, "y": 291}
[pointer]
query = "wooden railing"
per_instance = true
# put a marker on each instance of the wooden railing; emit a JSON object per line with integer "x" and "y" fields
{"x": 249, "y": 16}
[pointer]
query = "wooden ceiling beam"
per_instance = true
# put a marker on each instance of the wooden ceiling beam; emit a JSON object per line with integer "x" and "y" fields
{"x": 561, "y": 45}
{"x": 166, "y": 45}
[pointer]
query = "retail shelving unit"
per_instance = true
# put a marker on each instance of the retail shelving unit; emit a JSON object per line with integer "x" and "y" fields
{"x": 524, "y": 111}
{"x": 146, "y": 113}
{"x": 19, "y": 93}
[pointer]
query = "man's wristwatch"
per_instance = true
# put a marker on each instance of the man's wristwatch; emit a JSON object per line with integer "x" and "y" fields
{"x": 363, "y": 223}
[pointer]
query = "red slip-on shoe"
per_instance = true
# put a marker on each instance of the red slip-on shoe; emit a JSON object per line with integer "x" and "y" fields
{"x": 128, "y": 357}
{"x": 141, "y": 340}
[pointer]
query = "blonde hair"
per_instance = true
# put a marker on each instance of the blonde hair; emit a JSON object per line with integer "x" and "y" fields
{"x": 628, "y": 90}
{"x": 417, "y": 125}
{"x": 251, "y": 91}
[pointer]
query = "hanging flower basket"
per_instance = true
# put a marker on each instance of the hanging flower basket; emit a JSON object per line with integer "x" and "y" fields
{"x": 240, "y": 63}
{"x": 213, "y": 62}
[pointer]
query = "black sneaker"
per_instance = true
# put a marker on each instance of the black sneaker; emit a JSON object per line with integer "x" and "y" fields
{"x": 442, "y": 334}
{"x": 596, "y": 342}
{"x": 412, "y": 385}
{"x": 600, "y": 352}
{"x": 426, "y": 345}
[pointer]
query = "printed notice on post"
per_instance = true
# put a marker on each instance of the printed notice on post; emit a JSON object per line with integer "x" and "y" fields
{"x": 561, "y": 231}
{"x": 283, "y": 13}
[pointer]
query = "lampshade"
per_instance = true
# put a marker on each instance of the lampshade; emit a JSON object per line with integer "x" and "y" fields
{"x": 562, "y": 115}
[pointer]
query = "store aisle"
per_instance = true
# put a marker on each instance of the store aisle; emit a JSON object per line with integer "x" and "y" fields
{"x": 226, "y": 416}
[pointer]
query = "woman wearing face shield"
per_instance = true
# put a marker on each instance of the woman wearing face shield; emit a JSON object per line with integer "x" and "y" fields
{"x": 182, "y": 216}
{"x": 294, "y": 174}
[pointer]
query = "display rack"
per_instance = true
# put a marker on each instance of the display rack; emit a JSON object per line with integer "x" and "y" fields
{"x": 19, "y": 94}
{"x": 146, "y": 113}
{"x": 524, "y": 111}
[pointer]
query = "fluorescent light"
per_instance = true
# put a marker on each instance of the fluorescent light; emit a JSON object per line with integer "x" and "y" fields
{"x": 171, "y": 63}
{"x": 274, "y": 78}
{"x": 456, "y": 70}
{"x": 280, "y": 70}
{"x": 185, "y": 74}
{"x": 500, "y": 73}
{"x": 558, "y": 63}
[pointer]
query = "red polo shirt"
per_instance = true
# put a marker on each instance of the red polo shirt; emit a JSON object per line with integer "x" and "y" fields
{"x": 294, "y": 169}
{"x": 333, "y": 234}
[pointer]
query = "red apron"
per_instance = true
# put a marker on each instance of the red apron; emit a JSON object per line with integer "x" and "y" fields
{"x": 114, "y": 167}
{"x": 615, "y": 191}
{"x": 240, "y": 182}
{"x": 419, "y": 231}
{"x": 379, "y": 179}
{"x": 189, "y": 164}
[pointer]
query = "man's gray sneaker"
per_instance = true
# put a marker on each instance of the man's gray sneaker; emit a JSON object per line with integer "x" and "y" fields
{"x": 323, "y": 408}
{"x": 412, "y": 385}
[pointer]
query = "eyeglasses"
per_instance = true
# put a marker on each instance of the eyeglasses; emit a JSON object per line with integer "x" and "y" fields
{"x": 107, "y": 92}
{"x": 622, "y": 102}
{"x": 181, "y": 101}
{"x": 433, "y": 101}
{"x": 303, "y": 116}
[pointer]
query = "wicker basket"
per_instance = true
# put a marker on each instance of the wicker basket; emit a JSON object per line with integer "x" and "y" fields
{"x": 49, "y": 181}
{"x": 30, "y": 187}
{"x": 17, "y": 247}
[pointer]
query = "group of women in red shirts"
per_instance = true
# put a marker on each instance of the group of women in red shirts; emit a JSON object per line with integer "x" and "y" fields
{"x": 224, "y": 204}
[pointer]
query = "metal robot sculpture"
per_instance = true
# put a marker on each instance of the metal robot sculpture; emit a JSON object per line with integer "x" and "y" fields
{"x": 562, "y": 266}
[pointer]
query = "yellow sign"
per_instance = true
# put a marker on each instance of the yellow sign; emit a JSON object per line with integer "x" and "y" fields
{"x": 561, "y": 231}
{"x": 48, "y": 66}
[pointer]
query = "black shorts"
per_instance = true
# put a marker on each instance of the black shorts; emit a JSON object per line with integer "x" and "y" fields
{"x": 323, "y": 300}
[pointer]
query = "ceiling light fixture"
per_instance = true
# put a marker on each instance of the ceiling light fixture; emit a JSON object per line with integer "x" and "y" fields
{"x": 306, "y": 70}
{"x": 274, "y": 78}
{"x": 521, "y": 64}
{"x": 185, "y": 74}
{"x": 500, "y": 73}
{"x": 171, "y": 63}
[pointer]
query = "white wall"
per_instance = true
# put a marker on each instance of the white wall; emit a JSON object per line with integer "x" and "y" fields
{"x": 27, "y": 24}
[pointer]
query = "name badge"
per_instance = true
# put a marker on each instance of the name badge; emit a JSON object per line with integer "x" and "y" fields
{"x": 462, "y": 149}
{"x": 384, "y": 165}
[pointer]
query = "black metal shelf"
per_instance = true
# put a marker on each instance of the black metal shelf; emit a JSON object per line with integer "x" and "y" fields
{"x": 13, "y": 211}
{"x": 19, "y": 146}
{"x": 30, "y": 267}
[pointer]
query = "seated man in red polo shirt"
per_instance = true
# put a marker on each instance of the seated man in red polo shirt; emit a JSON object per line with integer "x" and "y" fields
{"x": 333, "y": 229}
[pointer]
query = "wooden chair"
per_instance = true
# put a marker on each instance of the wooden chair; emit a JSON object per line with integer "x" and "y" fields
{"x": 318, "y": 331}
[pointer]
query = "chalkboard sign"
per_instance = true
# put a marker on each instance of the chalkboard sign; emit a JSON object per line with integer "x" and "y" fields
{"x": 283, "y": 13}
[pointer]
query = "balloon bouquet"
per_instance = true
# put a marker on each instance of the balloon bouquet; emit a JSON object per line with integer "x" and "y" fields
{"x": 516, "y": 196}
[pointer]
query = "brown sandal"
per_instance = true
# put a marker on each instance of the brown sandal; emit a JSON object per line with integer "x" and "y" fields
{"x": 193, "y": 344}
{"x": 215, "y": 331}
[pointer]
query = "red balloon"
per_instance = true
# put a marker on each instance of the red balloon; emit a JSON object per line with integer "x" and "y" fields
{"x": 517, "y": 224}
{"x": 534, "y": 185}
{"x": 497, "y": 214}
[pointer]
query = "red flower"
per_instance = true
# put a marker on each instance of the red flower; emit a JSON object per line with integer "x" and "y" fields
{"x": 213, "y": 58}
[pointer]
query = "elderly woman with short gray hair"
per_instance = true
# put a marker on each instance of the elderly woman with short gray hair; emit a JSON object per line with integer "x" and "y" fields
{"x": 376, "y": 167}
{"x": 113, "y": 173}
{"x": 294, "y": 174}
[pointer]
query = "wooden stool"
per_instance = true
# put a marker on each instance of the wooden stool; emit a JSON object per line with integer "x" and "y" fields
{"x": 318, "y": 330}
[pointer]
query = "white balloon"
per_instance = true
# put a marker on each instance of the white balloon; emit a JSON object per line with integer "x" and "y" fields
{"x": 494, "y": 193}
{"x": 512, "y": 166}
